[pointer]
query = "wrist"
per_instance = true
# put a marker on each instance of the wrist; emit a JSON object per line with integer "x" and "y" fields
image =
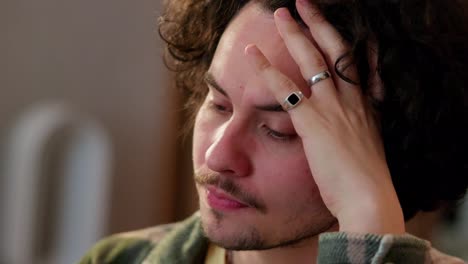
{"x": 377, "y": 215}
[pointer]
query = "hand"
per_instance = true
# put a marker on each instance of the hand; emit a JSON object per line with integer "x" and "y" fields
{"x": 337, "y": 127}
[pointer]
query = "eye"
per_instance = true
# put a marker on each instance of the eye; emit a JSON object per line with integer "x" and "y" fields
{"x": 219, "y": 108}
{"x": 278, "y": 135}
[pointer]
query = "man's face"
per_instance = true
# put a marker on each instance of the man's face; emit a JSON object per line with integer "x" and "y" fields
{"x": 255, "y": 186}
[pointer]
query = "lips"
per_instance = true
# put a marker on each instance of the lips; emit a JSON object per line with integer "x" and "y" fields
{"x": 221, "y": 200}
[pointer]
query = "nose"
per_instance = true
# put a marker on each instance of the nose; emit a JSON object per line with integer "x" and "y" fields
{"x": 228, "y": 153}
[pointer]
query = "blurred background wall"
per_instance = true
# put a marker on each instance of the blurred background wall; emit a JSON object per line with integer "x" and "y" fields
{"x": 89, "y": 121}
{"x": 101, "y": 61}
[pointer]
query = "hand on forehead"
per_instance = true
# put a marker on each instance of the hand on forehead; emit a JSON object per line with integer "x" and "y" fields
{"x": 252, "y": 25}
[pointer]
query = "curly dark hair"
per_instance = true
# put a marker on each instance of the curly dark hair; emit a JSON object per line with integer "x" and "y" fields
{"x": 422, "y": 59}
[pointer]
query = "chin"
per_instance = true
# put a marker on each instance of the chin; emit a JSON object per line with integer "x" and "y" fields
{"x": 246, "y": 237}
{"x": 232, "y": 236}
{"x": 230, "y": 232}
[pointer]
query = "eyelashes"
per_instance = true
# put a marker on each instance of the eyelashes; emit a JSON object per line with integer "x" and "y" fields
{"x": 278, "y": 135}
{"x": 219, "y": 108}
{"x": 270, "y": 133}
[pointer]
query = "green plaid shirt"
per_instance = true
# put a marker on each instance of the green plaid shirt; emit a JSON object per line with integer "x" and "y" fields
{"x": 184, "y": 242}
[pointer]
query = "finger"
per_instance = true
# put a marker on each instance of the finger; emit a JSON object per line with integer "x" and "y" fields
{"x": 332, "y": 45}
{"x": 280, "y": 86}
{"x": 329, "y": 40}
{"x": 306, "y": 55}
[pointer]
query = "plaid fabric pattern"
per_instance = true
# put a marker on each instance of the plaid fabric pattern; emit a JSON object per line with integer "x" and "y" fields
{"x": 340, "y": 247}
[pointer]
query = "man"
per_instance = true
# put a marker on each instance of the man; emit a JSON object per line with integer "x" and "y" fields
{"x": 311, "y": 132}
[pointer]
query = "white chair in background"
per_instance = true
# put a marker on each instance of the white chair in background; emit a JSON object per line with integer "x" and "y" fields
{"x": 80, "y": 192}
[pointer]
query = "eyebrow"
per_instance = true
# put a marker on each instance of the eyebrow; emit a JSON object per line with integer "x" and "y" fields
{"x": 210, "y": 80}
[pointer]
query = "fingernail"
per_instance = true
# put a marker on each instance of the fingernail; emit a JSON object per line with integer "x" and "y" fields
{"x": 250, "y": 49}
{"x": 283, "y": 13}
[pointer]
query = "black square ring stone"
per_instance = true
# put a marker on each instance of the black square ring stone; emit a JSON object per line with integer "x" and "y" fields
{"x": 293, "y": 99}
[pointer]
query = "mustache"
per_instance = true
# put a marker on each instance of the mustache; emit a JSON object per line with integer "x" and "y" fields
{"x": 230, "y": 187}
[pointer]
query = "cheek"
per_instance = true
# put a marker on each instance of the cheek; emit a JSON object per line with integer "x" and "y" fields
{"x": 287, "y": 178}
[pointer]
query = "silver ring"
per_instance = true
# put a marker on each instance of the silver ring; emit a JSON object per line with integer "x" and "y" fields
{"x": 318, "y": 77}
{"x": 292, "y": 100}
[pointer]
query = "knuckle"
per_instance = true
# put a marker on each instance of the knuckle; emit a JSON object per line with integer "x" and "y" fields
{"x": 295, "y": 32}
{"x": 320, "y": 63}
{"x": 315, "y": 16}
{"x": 263, "y": 66}
{"x": 340, "y": 50}
{"x": 287, "y": 84}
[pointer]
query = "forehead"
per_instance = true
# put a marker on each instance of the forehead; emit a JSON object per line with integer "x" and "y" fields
{"x": 253, "y": 25}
